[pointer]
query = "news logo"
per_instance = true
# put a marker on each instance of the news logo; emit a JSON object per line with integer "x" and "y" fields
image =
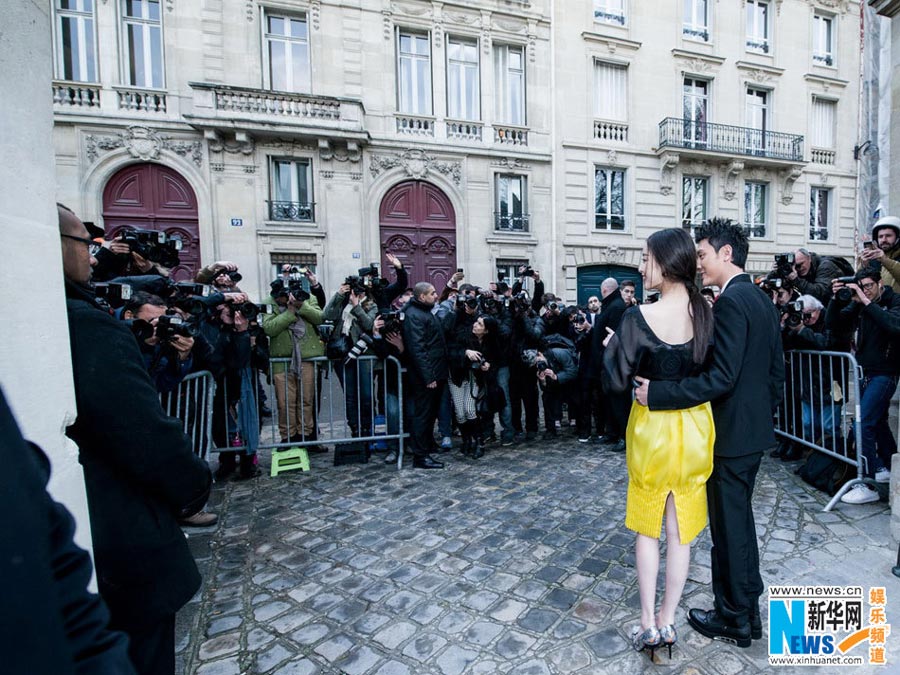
{"x": 826, "y": 625}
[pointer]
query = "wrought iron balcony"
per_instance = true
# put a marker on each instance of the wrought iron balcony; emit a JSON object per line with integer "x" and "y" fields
{"x": 511, "y": 222}
{"x": 298, "y": 212}
{"x": 675, "y": 132}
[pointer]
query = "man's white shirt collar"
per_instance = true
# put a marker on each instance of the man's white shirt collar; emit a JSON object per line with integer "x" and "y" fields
{"x": 729, "y": 281}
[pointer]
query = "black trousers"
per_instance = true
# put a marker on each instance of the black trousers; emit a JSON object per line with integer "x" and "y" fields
{"x": 737, "y": 584}
{"x": 589, "y": 407}
{"x": 552, "y": 399}
{"x": 151, "y": 647}
{"x": 423, "y": 414}
{"x": 523, "y": 392}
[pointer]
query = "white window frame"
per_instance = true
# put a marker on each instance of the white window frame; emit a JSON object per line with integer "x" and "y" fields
{"x": 821, "y": 25}
{"x": 523, "y": 214}
{"x": 147, "y": 24}
{"x": 294, "y": 184}
{"x": 507, "y": 110}
{"x": 464, "y": 110}
{"x": 508, "y": 270}
{"x": 696, "y": 133}
{"x": 754, "y": 42}
{"x": 301, "y": 260}
{"x": 415, "y": 106}
{"x": 690, "y": 208}
{"x": 609, "y": 214}
{"x": 757, "y": 143}
{"x": 80, "y": 16}
{"x": 290, "y": 43}
{"x": 815, "y": 126}
{"x": 756, "y": 190}
{"x": 698, "y": 28}
{"x": 816, "y": 194}
{"x": 612, "y": 12}
{"x": 603, "y": 96}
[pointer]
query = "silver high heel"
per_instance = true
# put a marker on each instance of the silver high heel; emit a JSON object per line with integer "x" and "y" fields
{"x": 648, "y": 639}
{"x": 668, "y": 637}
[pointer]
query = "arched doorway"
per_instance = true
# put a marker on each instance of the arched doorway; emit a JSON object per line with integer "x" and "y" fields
{"x": 418, "y": 225}
{"x": 590, "y": 278}
{"x": 154, "y": 197}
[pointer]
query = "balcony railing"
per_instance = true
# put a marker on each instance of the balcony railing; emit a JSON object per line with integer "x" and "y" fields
{"x": 822, "y": 156}
{"x": 466, "y": 131}
{"x": 292, "y": 211}
{"x": 675, "y": 132}
{"x": 615, "y": 132}
{"x": 76, "y": 95}
{"x": 414, "y": 125}
{"x": 511, "y": 222}
{"x": 141, "y": 100}
{"x": 507, "y": 135}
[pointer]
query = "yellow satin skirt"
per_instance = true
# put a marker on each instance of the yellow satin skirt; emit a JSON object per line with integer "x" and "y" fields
{"x": 668, "y": 451}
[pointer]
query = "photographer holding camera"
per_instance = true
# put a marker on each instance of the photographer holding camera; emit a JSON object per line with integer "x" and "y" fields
{"x": 865, "y": 305}
{"x": 353, "y": 313}
{"x": 537, "y": 294}
{"x": 556, "y": 368}
{"x": 135, "y": 252}
{"x": 291, "y": 329}
{"x": 523, "y": 387}
{"x": 810, "y": 273}
{"x": 884, "y": 250}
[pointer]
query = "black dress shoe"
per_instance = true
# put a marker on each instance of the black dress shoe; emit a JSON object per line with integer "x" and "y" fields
{"x": 713, "y": 626}
{"x": 618, "y": 446}
{"x": 426, "y": 462}
{"x": 755, "y": 624}
{"x": 778, "y": 451}
{"x": 792, "y": 453}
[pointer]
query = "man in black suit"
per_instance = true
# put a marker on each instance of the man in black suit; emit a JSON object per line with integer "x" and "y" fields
{"x": 744, "y": 384}
{"x": 613, "y": 407}
{"x": 140, "y": 474}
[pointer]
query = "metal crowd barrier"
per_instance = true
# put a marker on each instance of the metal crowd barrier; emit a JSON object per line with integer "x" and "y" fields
{"x": 826, "y": 384}
{"x": 334, "y": 403}
{"x": 192, "y": 403}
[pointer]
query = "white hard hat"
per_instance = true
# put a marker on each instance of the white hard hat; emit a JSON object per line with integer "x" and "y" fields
{"x": 892, "y": 222}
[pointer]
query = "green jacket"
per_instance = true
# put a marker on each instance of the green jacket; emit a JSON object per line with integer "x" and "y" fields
{"x": 277, "y": 327}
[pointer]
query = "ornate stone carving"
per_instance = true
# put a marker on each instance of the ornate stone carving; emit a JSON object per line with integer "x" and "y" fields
{"x": 250, "y": 11}
{"x": 464, "y": 18}
{"x": 388, "y": 24}
{"x": 612, "y": 157}
{"x": 142, "y": 143}
{"x": 668, "y": 162}
{"x": 242, "y": 143}
{"x": 836, "y": 5}
{"x": 315, "y": 9}
{"x": 416, "y": 164}
{"x": 730, "y": 178}
{"x": 249, "y": 168}
{"x": 612, "y": 254}
{"x": 789, "y": 176}
{"x": 758, "y": 76}
{"x": 170, "y": 5}
{"x": 411, "y": 8}
{"x": 329, "y": 152}
{"x": 509, "y": 24}
{"x": 327, "y": 175}
{"x": 510, "y": 163}
{"x": 218, "y": 168}
{"x": 356, "y": 176}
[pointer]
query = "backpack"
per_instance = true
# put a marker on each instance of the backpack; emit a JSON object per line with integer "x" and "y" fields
{"x": 824, "y": 472}
{"x": 845, "y": 267}
{"x": 557, "y": 341}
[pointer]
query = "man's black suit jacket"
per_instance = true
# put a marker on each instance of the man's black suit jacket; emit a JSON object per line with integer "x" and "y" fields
{"x": 746, "y": 377}
{"x": 610, "y": 317}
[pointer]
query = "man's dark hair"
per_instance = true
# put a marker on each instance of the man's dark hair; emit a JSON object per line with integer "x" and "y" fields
{"x": 141, "y": 298}
{"x": 628, "y": 282}
{"x": 421, "y": 289}
{"x": 547, "y": 298}
{"x": 869, "y": 272}
{"x": 721, "y": 231}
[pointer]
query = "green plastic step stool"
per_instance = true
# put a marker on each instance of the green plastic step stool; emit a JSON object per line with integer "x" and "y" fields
{"x": 289, "y": 459}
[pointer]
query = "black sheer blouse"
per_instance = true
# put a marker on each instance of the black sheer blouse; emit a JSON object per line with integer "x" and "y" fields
{"x": 635, "y": 350}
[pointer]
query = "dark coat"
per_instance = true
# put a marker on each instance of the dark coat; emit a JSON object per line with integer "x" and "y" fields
{"x": 460, "y": 365}
{"x": 744, "y": 382}
{"x": 610, "y": 317}
{"x": 817, "y": 281}
{"x": 139, "y": 471}
{"x": 563, "y": 363}
{"x": 878, "y": 334}
{"x": 50, "y": 622}
{"x": 423, "y": 337}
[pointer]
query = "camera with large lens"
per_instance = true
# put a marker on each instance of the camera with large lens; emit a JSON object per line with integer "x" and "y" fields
{"x": 356, "y": 283}
{"x": 141, "y": 329}
{"x": 553, "y": 306}
{"x": 541, "y": 365}
{"x": 579, "y": 319}
{"x": 116, "y": 294}
{"x": 169, "y": 326}
{"x": 793, "y": 312}
{"x": 470, "y": 301}
{"x": 528, "y": 272}
{"x": 370, "y": 271}
{"x": 360, "y": 348}
{"x": 393, "y": 321}
{"x": 845, "y": 294}
{"x": 153, "y": 245}
{"x": 489, "y": 304}
{"x": 234, "y": 276}
{"x": 784, "y": 263}
{"x": 477, "y": 363}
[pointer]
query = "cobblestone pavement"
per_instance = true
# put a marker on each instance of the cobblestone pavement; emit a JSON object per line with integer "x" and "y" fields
{"x": 518, "y": 563}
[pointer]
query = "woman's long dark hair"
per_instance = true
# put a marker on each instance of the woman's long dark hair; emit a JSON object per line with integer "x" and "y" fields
{"x": 676, "y": 256}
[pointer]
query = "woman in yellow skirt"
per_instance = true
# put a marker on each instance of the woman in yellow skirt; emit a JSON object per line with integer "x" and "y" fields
{"x": 669, "y": 452}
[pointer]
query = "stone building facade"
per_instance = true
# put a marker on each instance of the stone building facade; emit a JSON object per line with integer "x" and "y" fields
{"x": 456, "y": 134}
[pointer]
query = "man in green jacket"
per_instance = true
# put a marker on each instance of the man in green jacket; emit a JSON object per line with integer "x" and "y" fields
{"x": 292, "y": 334}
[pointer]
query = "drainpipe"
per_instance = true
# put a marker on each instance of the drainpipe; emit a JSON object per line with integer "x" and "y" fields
{"x": 554, "y": 236}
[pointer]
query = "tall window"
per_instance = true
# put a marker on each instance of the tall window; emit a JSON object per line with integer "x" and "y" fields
{"x": 696, "y": 20}
{"x": 695, "y": 110}
{"x": 757, "y": 102}
{"x": 508, "y": 270}
{"x": 611, "y": 91}
{"x": 758, "y": 26}
{"x": 509, "y": 84}
{"x": 414, "y": 73}
{"x": 76, "y": 56}
{"x": 823, "y": 116}
{"x": 143, "y": 43}
{"x": 609, "y": 199}
{"x": 307, "y": 260}
{"x": 693, "y": 201}
{"x": 755, "y": 207}
{"x": 287, "y": 48}
{"x": 512, "y": 212}
{"x": 291, "y": 190}
{"x": 610, "y": 11}
{"x": 462, "y": 80}
{"x": 819, "y": 202}
{"x": 823, "y": 40}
